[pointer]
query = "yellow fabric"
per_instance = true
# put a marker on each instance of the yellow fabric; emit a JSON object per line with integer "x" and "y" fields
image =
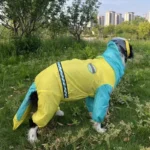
{"x": 16, "y": 122}
{"x": 49, "y": 95}
{"x": 128, "y": 48}
{"x": 80, "y": 83}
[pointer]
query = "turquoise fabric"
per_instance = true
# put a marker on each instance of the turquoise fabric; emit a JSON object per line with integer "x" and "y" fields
{"x": 25, "y": 102}
{"x": 100, "y": 103}
{"x": 113, "y": 57}
{"x": 89, "y": 103}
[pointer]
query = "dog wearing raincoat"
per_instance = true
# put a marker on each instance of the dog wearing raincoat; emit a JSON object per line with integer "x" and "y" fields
{"x": 70, "y": 80}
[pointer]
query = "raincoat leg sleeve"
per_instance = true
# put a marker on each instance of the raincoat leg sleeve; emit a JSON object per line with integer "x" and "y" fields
{"x": 48, "y": 104}
{"x": 101, "y": 102}
{"x": 89, "y": 103}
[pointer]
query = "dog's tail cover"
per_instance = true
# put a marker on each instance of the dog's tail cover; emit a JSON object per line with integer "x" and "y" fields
{"x": 24, "y": 108}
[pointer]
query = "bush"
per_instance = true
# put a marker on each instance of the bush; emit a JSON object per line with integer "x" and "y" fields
{"x": 27, "y": 44}
{"x": 7, "y": 49}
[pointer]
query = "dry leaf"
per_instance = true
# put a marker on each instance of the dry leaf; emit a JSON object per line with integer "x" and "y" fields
{"x": 126, "y": 139}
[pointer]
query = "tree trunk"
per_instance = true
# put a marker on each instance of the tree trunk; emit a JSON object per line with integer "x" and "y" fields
{"x": 15, "y": 32}
{"x": 78, "y": 38}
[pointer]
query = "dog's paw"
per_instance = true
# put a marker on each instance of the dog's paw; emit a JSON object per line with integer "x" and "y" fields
{"x": 32, "y": 135}
{"x": 97, "y": 127}
{"x": 101, "y": 130}
{"x": 59, "y": 113}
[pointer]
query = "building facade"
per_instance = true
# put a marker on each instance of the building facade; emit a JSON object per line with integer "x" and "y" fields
{"x": 118, "y": 18}
{"x": 110, "y": 18}
{"x": 129, "y": 16}
{"x": 101, "y": 20}
{"x": 147, "y": 17}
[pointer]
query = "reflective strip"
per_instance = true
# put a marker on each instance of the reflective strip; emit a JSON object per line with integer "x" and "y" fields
{"x": 128, "y": 48}
{"x": 63, "y": 80}
{"x": 91, "y": 68}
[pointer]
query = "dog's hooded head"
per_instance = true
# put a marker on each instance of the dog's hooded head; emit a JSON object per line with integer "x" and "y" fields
{"x": 117, "y": 52}
{"x": 124, "y": 47}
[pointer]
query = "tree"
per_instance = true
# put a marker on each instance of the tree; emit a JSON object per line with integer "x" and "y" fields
{"x": 138, "y": 20}
{"x": 24, "y": 17}
{"x": 57, "y": 24}
{"x": 98, "y": 29}
{"x": 127, "y": 29}
{"x": 79, "y": 14}
{"x": 56, "y": 27}
{"x": 109, "y": 30}
{"x": 144, "y": 30}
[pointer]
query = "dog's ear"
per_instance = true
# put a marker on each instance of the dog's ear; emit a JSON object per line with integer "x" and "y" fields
{"x": 123, "y": 52}
{"x": 131, "y": 52}
{"x": 31, "y": 123}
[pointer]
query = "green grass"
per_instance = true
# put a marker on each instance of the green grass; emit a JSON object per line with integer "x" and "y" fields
{"x": 127, "y": 126}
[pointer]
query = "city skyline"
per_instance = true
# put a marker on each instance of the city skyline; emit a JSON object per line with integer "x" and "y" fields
{"x": 139, "y": 7}
{"x": 113, "y": 18}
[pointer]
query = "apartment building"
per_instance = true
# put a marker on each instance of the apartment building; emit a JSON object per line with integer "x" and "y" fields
{"x": 110, "y": 18}
{"x": 101, "y": 20}
{"x": 129, "y": 16}
{"x": 147, "y": 16}
{"x": 118, "y": 18}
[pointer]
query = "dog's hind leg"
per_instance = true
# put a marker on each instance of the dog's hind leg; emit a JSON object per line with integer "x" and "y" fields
{"x": 48, "y": 103}
{"x": 59, "y": 113}
{"x": 32, "y": 133}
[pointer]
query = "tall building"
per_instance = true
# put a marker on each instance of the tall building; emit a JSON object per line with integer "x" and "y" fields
{"x": 101, "y": 20}
{"x": 129, "y": 16}
{"x": 110, "y": 18}
{"x": 118, "y": 18}
{"x": 147, "y": 17}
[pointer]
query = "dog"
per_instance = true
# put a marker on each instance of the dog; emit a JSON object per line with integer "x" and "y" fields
{"x": 93, "y": 79}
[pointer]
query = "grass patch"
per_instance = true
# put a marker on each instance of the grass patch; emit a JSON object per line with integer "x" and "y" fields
{"x": 128, "y": 121}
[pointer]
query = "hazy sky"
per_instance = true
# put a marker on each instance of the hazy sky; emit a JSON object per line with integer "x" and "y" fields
{"x": 140, "y": 7}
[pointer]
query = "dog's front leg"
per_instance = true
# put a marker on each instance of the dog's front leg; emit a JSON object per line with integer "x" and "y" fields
{"x": 98, "y": 128}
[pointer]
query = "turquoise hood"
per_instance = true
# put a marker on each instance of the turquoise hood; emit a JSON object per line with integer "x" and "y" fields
{"x": 113, "y": 57}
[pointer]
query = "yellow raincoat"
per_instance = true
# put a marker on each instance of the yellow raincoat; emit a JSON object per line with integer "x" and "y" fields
{"x": 93, "y": 79}
{"x": 81, "y": 83}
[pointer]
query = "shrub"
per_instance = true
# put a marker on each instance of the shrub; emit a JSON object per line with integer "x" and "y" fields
{"x": 7, "y": 49}
{"x": 27, "y": 44}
